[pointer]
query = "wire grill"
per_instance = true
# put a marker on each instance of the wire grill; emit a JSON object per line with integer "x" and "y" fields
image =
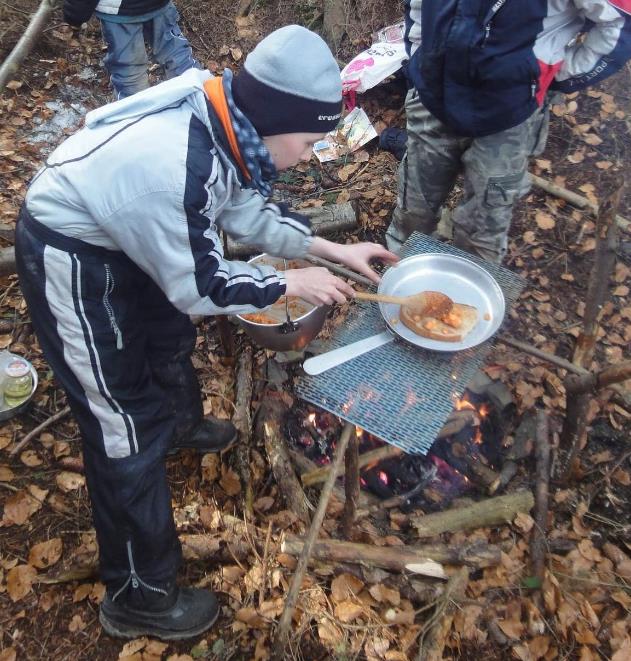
{"x": 401, "y": 393}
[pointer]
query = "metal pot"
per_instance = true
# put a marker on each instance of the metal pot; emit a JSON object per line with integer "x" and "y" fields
{"x": 281, "y": 336}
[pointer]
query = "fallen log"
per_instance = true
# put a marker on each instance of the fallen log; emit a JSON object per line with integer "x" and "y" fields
{"x": 574, "y": 198}
{"x": 268, "y": 428}
{"x": 365, "y": 459}
{"x": 399, "y": 558}
{"x": 433, "y": 640}
{"x": 27, "y": 41}
{"x": 490, "y": 512}
{"x": 325, "y": 220}
{"x": 207, "y": 547}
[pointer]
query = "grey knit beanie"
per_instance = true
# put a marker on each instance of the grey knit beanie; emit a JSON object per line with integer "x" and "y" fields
{"x": 290, "y": 83}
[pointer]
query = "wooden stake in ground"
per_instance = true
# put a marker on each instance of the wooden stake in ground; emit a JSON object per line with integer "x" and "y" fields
{"x": 490, "y": 512}
{"x": 351, "y": 485}
{"x": 434, "y": 638}
{"x": 27, "y": 41}
{"x": 578, "y": 389}
{"x": 268, "y": 427}
{"x": 282, "y": 633}
{"x": 538, "y": 540}
{"x": 242, "y": 420}
{"x": 604, "y": 262}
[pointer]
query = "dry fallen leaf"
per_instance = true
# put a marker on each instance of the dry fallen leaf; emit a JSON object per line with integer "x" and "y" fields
{"x": 345, "y": 586}
{"x": 544, "y": 220}
{"x": 68, "y": 481}
{"x": 19, "y": 581}
{"x": 347, "y": 611}
{"x": 45, "y": 554}
{"x": 230, "y": 482}
{"x": 603, "y": 165}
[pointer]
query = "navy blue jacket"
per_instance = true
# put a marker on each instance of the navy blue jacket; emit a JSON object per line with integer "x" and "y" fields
{"x": 483, "y": 66}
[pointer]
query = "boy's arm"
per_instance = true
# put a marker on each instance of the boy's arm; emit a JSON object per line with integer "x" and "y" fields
{"x": 272, "y": 228}
{"x": 603, "y": 50}
{"x": 77, "y": 12}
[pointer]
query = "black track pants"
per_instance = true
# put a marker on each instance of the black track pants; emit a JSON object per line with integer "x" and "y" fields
{"x": 122, "y": 353}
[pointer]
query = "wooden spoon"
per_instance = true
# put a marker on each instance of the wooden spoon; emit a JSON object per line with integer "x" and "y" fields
{"x": 426, "y": 303}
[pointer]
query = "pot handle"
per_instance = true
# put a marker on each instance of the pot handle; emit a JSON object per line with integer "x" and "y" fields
{"x": 326, "y": 361}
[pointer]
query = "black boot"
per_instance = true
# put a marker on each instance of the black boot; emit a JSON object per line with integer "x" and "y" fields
{"x": 210, "y": 435}
{"x": 171, "y": 614}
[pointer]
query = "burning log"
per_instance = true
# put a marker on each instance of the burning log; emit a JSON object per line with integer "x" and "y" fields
{"x": 305, "y": 465}
{"x": 490, "y": 512}
{"x": 538, "y": 540}
{"x": 242, "y": 420}
{"x": 457, "y": 421}
{"x": 365, "y": 459}
{"x": 400, "y": 558}
{"x": 459, "y": 456}
{"x": 268, "y": 426}
{"x": 433, "y": 640}
{"x": 351, "y": 485}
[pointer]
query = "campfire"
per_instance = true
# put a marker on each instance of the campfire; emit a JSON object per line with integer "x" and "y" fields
{"x": 467, "y": 454}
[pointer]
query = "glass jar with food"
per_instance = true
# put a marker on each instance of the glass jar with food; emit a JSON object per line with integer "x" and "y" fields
{"x": 18, "y": 383}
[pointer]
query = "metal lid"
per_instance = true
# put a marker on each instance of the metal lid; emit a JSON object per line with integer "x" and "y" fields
{"x": 17, "y": 368}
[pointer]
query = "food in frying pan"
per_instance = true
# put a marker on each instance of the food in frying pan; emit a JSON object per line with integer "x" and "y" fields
{"x": 450, "y": 327}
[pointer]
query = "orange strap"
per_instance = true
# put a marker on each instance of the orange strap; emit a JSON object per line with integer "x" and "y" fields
{"x": 216, "y": 95}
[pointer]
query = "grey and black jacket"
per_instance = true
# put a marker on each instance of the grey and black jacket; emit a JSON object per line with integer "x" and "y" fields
{"x": 151, "y": 176}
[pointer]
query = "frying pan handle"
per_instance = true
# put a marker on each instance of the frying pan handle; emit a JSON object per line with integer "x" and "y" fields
{"x": 326, "y": 361}
{"x": 382, "y": 298}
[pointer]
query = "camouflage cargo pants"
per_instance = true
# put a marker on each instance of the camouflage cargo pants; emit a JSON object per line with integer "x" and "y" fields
{"x": 495, "y": 176}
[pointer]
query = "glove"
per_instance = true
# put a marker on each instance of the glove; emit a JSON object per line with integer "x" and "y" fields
{"x": 77, "y": 12}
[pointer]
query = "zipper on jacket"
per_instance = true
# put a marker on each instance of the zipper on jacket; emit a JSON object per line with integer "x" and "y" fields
{"x": 109, "y": 288}
{"x": 533, "y": 89}
{"x": 489, "y": 18}
{"x": 134, "y": 579}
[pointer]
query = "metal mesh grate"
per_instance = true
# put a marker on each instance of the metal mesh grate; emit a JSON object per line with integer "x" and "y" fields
{"x": 401, "y": 393}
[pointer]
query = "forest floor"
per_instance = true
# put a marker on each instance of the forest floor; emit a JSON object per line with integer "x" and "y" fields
{"x": 583, "y": 609}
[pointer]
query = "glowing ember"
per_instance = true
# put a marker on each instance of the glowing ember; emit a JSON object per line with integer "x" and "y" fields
{"x": 359, "y": 432}
{"x": 477, "y": 439}
{"x": 311, "y": 417}
{"x": 462, "y": 404}
{"x": 383, "y": 476}
{"x": 483, "y": 410}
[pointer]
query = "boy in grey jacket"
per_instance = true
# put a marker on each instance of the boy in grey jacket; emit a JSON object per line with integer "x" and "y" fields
{"x": 118, "y": 243}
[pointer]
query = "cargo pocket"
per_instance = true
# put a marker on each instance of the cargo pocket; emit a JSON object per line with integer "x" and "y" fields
{"x": 503, "y": 191}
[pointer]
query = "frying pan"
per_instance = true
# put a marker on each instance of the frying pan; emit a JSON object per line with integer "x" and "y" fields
{"x": 457, "y": 277}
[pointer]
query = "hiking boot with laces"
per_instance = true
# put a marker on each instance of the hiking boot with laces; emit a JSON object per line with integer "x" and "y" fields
{"x": 171, "y": 614}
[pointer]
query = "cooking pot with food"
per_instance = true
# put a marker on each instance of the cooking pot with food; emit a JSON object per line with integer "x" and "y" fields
{"x": 270, "y": 327}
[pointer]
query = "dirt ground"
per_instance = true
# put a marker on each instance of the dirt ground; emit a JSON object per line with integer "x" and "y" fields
{"x": 46, "y": 528}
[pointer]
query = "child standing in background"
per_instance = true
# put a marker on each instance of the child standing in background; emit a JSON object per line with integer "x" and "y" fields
{"x": 128, "y": 27}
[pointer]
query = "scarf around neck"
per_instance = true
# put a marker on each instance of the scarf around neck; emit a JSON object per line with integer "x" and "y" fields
{"x": 247, "y": 147}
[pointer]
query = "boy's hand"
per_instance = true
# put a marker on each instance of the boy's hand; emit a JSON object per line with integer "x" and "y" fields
{"x": 317, "y": 285}
{"x": 356, "y": 256}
